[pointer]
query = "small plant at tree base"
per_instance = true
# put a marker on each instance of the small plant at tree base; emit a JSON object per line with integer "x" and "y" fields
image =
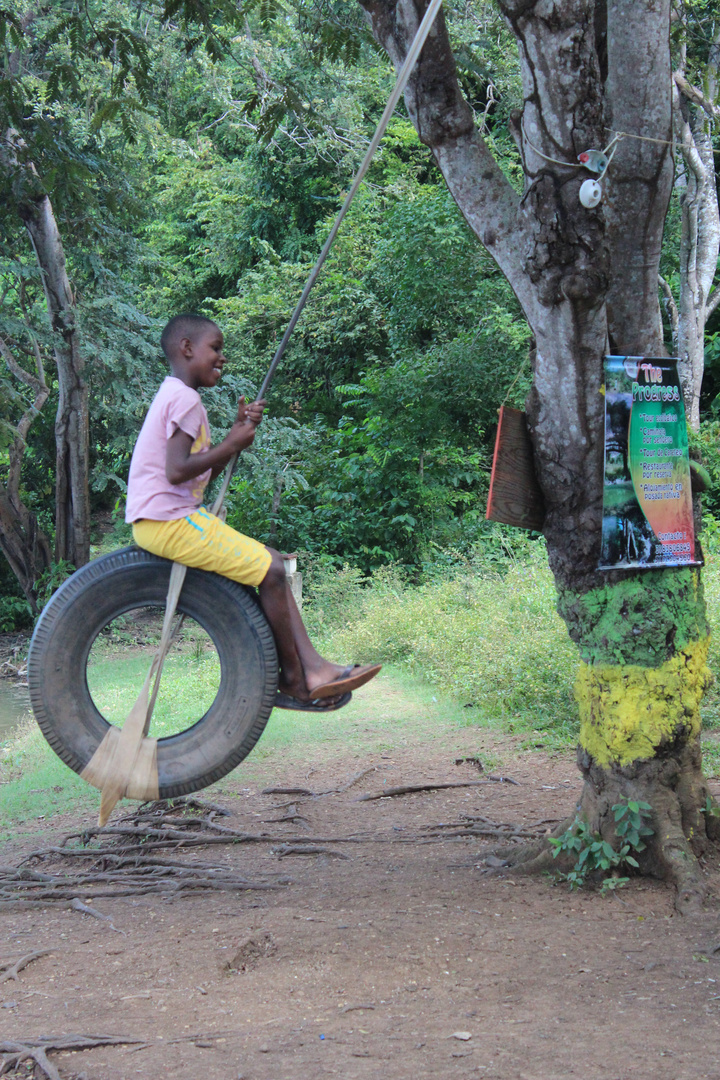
{"x": 710, "y": 808}
{"x": 597, "y": 855}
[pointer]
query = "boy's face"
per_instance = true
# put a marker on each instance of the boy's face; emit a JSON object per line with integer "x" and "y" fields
{"x": 203, "y": 357}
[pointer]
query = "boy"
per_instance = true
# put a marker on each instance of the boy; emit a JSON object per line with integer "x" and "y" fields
{"x": 172, "y": 463}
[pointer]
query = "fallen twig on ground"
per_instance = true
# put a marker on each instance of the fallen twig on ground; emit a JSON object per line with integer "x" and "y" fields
{"x": 11, "y": 971}
{"x": 210, "y": 1036}
{"x": 409, "y": 789}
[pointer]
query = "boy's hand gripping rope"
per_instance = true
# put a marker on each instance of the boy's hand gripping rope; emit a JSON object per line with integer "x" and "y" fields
{"x": 125, "y": 762}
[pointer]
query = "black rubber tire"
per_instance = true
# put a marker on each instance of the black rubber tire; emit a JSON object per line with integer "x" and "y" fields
{"x": 132, "y": 578}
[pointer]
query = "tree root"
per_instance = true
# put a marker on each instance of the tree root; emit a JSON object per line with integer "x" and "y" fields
{"x": 36, "y": 1050}
{"x": 11, "y": 971}
{"x": 123, "y": 859}
{"x": 305, "y": 792}
{"x": 535, "y": 857}
{"x": 684, "y": 825}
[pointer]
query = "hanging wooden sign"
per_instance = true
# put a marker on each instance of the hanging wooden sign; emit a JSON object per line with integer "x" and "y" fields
{"x": 647, "y": 497}
{"x": 515, "y": 497}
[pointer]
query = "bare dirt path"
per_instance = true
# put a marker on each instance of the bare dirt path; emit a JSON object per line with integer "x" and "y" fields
{"x": 392, "y": 958}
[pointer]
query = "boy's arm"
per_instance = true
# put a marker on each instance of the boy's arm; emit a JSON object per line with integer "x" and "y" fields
{"x": 181, "y": 465}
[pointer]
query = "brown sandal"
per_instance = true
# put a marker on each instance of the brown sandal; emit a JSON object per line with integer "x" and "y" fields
{"x": 350, "y": 679}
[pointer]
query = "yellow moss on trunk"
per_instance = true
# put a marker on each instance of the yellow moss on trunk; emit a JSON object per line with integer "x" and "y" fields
{"x": 627, "y": 711}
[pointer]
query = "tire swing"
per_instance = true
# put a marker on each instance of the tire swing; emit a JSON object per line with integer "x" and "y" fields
{"x": 125, "y": 581}
{"x": 125, "y": 762}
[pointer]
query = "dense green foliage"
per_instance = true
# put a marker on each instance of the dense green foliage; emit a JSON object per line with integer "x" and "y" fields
{"x": 195, "y": 159}
{"x": 489, "y": 646}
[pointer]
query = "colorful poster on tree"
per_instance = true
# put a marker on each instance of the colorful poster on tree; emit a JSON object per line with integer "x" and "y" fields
{"x": 647, "y": 500}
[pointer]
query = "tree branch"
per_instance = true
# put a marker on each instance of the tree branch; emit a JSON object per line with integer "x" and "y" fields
{"x": 445, "y": 122}
{"x": 687, "y": 143}
{"x": 17, "y": 450}
{"x": 18, "y": 371}
{"x": 696, "y": 96}
{"x": 672, "y": 306}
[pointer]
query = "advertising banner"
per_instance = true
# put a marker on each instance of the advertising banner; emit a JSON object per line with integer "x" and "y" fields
{"x": 647, "y": 500}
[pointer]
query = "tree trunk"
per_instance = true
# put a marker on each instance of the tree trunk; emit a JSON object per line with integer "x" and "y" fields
{"x": 694, "y": 114}
{"x": 72, "y": 499}
{"x": 24, "y": 545}
{"x": 22, "y": 542}
{"x": 587, "y": 282}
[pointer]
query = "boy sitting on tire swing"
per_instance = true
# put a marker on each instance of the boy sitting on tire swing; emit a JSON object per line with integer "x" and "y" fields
{"x": 172, "y": 463}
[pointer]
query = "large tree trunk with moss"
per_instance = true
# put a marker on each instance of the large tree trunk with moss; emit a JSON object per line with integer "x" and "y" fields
{"x": 587, "y": 282}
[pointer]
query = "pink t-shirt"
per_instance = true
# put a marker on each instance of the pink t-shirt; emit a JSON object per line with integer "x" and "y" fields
{"x": 150, "y": 493}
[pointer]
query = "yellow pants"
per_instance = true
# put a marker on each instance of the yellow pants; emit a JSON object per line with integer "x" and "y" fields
{"x": 207, "y": 543}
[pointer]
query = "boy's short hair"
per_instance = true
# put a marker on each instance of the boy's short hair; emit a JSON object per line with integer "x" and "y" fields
{"x": 187, "y": 325}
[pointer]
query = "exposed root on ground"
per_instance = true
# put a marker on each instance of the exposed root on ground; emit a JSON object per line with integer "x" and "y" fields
{"x": 125, "y": 859}
{"x": 124, "y": 862}
{"x": 411, "y": 789}
{"x": 12, "y": 968}
{"x": 37, "y": 1049}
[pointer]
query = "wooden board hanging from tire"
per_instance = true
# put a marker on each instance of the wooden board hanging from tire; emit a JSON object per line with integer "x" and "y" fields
{"x": 515, "y": 497}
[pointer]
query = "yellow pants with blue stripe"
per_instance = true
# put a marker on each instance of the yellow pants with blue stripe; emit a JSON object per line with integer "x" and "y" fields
{"x": 205, "y": 542}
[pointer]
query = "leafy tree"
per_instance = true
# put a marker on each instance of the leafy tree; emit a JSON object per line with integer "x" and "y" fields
{"x": 65, "y": 73}
{"x": 587, "y": 283}
{"x": 695, "y": 115}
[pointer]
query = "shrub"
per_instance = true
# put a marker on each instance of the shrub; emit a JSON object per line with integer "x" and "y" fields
{"x": 494, "y": 641}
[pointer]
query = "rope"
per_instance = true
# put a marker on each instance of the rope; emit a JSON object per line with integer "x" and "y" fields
{"x": 519, "y": 373}
{"x": 115, "y": 765}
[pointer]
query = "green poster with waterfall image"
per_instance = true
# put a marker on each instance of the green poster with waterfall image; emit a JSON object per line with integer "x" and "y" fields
{"x": 647, "y": 498}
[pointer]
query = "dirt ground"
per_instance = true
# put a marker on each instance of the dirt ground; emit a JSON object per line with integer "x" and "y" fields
{"x": 394, "y": 957}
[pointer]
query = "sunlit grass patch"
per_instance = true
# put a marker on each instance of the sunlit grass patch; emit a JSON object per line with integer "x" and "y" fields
{"x": 188, "y": 688}
{"x": 494, "y": 642}
{"x": 34, "y": 782}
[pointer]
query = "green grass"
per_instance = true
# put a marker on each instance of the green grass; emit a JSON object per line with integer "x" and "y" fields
{"x": 483, "y": 649}
{"x": 187, "y": 688}
{"x": 393, "y": 710}
{"x": 34, "y": 781}
{"x": 493, "y": 642}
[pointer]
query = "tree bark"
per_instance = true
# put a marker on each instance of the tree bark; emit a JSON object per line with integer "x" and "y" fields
{"x": 72, "y": 498}
{"x": 587, "y": 282}
{"x": 695, "y": 115}
{"x": 23, "y": 543}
